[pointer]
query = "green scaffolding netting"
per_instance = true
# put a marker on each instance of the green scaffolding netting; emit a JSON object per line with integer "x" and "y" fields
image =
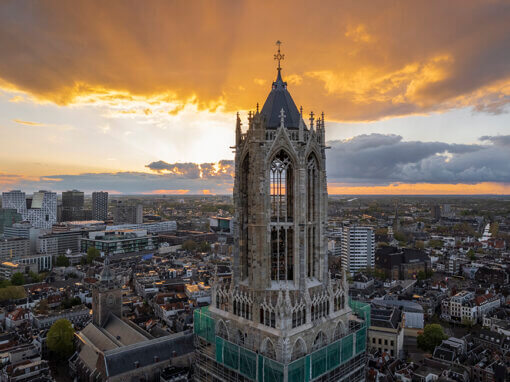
{"x": 231, "y": 355}
{"x": 273, "y": 371}
{"x": 361, "y": 309}
{"x": 262, "y": 369}
{"x": 361, "y": 340}
{"x": 334, "y": 354}
{"x": 319, "y": 362}
{"x": 204, "y": 325}
{"x": 347, "y": 343}
{"x": 248, "y": 363}
{"x": 219, "y": 349}
{"x": 299, "y": 370}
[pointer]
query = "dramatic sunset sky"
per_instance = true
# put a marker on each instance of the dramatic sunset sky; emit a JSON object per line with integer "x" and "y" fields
{"x": 140, "y": 96}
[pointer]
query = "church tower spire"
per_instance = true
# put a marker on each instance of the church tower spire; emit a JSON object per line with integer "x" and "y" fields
{"x": 281, "y": 316}
{"x": 281, "y": 289}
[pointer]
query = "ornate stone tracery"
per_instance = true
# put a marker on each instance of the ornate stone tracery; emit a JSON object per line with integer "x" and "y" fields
{"x": 280, "y": 283}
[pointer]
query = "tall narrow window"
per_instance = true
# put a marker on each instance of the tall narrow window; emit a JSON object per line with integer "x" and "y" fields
{"x": 244, "y": 216}
{"x": 282, "y": 211}
{"x": 281, "y": 177}
{"x": 311, "y": 215}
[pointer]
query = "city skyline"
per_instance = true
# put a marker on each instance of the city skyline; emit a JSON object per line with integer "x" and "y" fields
{"x": 143, "y": 100}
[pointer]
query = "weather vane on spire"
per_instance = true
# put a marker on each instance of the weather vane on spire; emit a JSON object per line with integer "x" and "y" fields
{"x": 278, "y": 56}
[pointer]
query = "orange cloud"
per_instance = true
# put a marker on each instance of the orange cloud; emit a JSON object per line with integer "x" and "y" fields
{"x": 28, "y": 123}
{"x": 422, "y": 189}
{"x": 350, "y": 60}
{"x": 359, "y": 33}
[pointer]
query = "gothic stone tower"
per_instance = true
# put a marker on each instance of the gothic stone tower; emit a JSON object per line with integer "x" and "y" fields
{"x": 106, "y": 297}
{"x": 281, "y": 302}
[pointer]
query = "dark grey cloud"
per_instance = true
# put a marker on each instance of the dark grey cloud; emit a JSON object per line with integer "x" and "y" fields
{"x": 379, "y": 159}
{"x": 123, "y": 182}
{"x": 221, "y": 170}
{"x": 499, "y": 140}
{"x": 186, "y": 170}
{"x": 364, "y": 160}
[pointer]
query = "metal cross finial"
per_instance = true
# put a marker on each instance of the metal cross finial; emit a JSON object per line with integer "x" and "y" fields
{"x": 282, "y": 117}
{"x": 278, "y": 56}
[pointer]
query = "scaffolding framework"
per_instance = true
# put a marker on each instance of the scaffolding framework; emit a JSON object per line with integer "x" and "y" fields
{"x": 227, "y": 361}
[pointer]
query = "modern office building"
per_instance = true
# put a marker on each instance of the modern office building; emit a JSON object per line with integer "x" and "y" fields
{"x": 117, "y": 242}
{"x": 15, "y": 199}
{"x": 14, "y": 247}
{"x": 37, "y": 262}
{"x": 24, "y": 230}
{"x": 221, "y": 224}
{"x": 127, "y": 213}
{"x": 281, "y": 317}
{"x": 8, "y": 217}
{"x": 358, "y": 248}
{"x": 100, "y": 205}
{"x": 59, "y": 243}
{"x": 158, "y": 227}
{"x": 43, "y": 209}
{"x": 436, "y": 212}
{"x": 72, "y": 205}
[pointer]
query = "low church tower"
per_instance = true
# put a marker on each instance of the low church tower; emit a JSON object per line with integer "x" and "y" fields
{"x": 106, "y": 296}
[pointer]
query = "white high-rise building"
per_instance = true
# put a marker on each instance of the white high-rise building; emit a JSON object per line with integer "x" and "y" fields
{"x": 15, "y": 199}
{"x": 42, "y": 212}
{"x": 358, "y": 248}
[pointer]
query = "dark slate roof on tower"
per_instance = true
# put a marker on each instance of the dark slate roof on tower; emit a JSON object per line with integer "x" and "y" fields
{"x": 279, "y": 98}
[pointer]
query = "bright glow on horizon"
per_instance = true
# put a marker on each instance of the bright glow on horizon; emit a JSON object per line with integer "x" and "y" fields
{"x": 136, "y": 90}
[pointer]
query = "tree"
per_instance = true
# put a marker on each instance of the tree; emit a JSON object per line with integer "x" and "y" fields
{"x": 401, "y": 237}
{"x": 63, "y": 261}
{"x": 432, "y": 336}
{"x": 42, "y": 307}
{"x": 204, "y": 246}
{"x": 60, "y": 338}
{"x": 381, "y": 231}
{"x": 437, "y": 244}
{"x": 18, "y": 279}
{"x": 70, "y": 302}
{"x": 12, "y": 293}
{"x": 37, "y": 277}
{"x": 467, "y": 322}
{"x": 92, "y": 254}
{"x": 189, "y": 245}
{"x": 419, "y": 244}
{"x": 471, "y": 255}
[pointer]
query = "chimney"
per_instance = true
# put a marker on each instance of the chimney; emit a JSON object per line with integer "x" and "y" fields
{"x": 137, "y": 364}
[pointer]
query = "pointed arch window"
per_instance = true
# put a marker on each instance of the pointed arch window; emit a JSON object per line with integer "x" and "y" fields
{"x": 282, "y": 188}
{"x": 312, "y": 200}
{"x": 244, "y": 216}
{"x": 281, "y": 175}
{"x": 282, "y": 253}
